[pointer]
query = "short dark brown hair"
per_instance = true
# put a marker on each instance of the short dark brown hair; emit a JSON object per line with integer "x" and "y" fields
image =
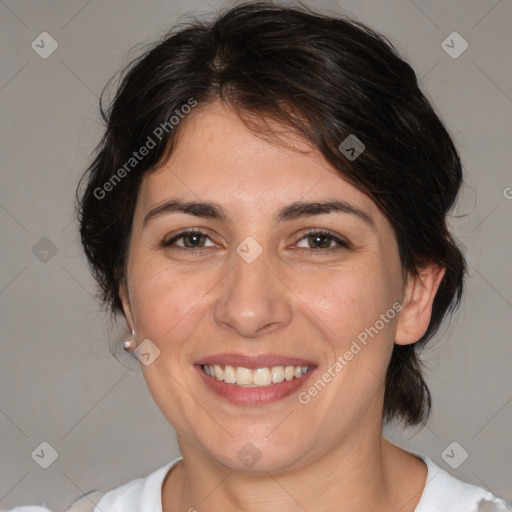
{"x": 327, "y": 78}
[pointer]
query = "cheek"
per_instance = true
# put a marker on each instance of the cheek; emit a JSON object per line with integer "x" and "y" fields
{"x": 353, "y": 311}
{"x": 346, "y": 307}
{"x": 347, "y": 301}
{"x": 168, "y": 304}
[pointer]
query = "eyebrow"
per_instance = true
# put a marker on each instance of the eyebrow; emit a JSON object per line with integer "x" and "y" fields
{"x": 298, "y": 209}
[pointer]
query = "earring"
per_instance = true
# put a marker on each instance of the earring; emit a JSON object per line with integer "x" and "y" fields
{"x": 129, "y": 344}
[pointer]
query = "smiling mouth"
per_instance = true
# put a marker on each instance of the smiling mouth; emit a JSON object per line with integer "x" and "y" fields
{"x": 259, "y": 377}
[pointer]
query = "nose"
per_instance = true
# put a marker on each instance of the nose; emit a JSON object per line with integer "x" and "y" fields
{"x": 254, "y": 299}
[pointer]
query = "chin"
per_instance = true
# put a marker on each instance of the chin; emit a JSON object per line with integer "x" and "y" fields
{"x": 245, "y": 454}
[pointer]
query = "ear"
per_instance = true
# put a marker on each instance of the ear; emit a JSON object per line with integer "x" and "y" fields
{"x": 127, "y": 308}
{"x": 419, "y": 295}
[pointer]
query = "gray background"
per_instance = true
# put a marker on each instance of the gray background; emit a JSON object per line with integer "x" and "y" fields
{"x": 58, "y": 380}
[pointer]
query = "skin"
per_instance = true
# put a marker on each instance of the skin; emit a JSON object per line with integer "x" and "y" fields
{"x": 293, "y": 300}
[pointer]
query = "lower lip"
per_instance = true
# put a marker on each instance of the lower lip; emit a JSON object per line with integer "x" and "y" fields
{"x": 253, "y": 395}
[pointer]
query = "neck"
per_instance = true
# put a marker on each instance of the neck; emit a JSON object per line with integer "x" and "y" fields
{"x": 370, "y": 474}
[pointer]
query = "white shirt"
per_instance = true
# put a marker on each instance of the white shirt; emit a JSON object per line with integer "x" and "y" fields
{"x": 442, "y": 493}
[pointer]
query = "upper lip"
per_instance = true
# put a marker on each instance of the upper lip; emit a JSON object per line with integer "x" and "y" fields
{"x": 254, "y": 361}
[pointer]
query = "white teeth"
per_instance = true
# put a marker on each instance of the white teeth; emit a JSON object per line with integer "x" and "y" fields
{"x": 243, "y": 376}
{"x": 259, "y": 377}
{"x": 229, "y": 375}
{"x": 277, "y": 374}
{"x": 219, "y": 374}
{"x": 289, "y": 372}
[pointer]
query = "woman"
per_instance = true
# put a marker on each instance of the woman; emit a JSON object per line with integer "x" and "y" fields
{"x": 267, "y": 209}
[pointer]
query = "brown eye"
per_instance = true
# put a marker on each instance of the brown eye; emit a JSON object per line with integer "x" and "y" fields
{"x": 322, "y": 241}
{"x": 191, "y": 240}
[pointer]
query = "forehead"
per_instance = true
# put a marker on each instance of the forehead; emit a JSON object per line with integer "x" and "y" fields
{"x": 217, "y": 157}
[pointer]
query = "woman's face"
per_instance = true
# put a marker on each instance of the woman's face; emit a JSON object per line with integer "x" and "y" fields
{"x": 255, "y": 290}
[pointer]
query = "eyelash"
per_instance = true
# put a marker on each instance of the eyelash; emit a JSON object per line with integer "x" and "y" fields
{"x": 343, "y": 244}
